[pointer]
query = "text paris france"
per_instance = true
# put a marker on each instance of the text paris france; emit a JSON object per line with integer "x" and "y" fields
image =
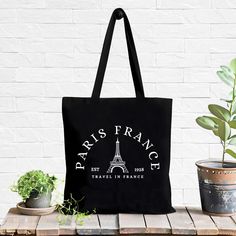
{"x": 118, "y": 130}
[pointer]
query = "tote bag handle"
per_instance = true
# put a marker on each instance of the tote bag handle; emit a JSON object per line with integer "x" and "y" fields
{"x": 133, "y": 59}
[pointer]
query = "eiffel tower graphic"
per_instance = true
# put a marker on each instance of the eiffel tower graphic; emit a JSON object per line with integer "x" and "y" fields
{"x": 117, "y": 160}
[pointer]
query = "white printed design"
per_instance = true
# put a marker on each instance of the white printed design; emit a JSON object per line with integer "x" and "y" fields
{"x": 128, "y": 132}
{"x": 117, "y": 161}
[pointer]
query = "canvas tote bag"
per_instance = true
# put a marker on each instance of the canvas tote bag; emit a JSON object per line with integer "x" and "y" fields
{"x": 118, "y": 149}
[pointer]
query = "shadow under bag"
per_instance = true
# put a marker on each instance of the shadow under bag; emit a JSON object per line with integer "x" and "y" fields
{"x": 118, "y": 149}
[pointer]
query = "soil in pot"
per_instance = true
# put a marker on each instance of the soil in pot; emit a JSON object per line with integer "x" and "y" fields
{"x": 217, "y": 186}
{"x": 39, "y": 200}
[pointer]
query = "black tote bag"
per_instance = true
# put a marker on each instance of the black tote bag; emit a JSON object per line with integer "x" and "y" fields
{"x": 118, "y": 149}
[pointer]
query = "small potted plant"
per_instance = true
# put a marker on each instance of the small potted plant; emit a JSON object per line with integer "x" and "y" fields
{"x": 35, "y": 187}
{"x": 217, "y": 178}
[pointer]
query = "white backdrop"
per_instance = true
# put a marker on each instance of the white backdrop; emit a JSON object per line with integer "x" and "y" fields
{"x": 51, "y": 48}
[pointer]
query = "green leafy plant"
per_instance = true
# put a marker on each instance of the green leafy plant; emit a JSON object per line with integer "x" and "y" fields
{"x": 222, "y": 121}
{"x": 34, "y": 183}
{"x": 70, "y": 209}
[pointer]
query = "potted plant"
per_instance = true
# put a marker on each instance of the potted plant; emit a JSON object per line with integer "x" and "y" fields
{"x": 217, "y": 178}
{"x": 35, "y": 187}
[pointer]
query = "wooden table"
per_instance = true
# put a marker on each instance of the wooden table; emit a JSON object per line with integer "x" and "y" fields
{"x": 186, "y": 221}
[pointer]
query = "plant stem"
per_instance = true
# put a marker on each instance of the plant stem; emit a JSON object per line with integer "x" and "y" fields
{"x": 230, "y": 110}
{"x": 233, "y": 97}
{"x": 223, "y": 155}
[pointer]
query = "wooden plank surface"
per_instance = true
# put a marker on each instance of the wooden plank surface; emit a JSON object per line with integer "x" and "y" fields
{"x": 48, "y": 225}
{"x": 68, "y": 227}
{"x": 181, "y": 223}
{"x": 3, "y": 213}
{"x": 188, "y": 221}
{"x": 225, "y": 225}
{"x": 132, "y": 224}
{"x": 27, "y": 224}
{"x": 11, "y": 222}
{"x": 109, "y": 224}
{"x": 234, "y": 218}
{"x": 90, "y": 226}
{"x": 203, "y": 223}
{"x": 157, "y": 224}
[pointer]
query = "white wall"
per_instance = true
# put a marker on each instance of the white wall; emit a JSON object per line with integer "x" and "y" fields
{"x": 51, "y": 48}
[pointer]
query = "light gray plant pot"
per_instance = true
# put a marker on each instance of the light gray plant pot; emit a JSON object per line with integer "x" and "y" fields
{"x": 39, "y": 201}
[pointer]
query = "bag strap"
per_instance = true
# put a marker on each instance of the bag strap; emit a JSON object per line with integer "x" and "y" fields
{"x": 133, "y": 59}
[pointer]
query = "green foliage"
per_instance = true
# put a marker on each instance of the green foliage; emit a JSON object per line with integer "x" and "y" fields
{"x": 226, "y": 78}
{"x": 34, "y": 183}
{"x": 231, "y": 153}
{"x": 232, "y": 140}
{"x": 206, "y": 123}
{"x": 232, "y": 124}
{"x": 233, "y": 108}
{"x": 224, "y": 131}
{"x": 70, "y": 209}
{"x": 219, "y": 111}
{"x": 232, "y": 65}
{"x": 223, "y": 120}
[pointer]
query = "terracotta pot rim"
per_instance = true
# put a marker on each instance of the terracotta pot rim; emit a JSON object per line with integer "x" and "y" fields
{"x": 203, "y": 164}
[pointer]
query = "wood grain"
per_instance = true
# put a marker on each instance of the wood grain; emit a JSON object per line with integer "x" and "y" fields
{"x": 11, "y": 222}
{"x": 225, "y": 225}
{"x": 27, "y": 224}
{"x": 109, "y": 224}
{"x": 203, "y": 223}
{"x": 185, "y": 221}
{"x": 157, "y": 224}
{"x": 48, "y": 225}
{"x": 132, "y": 224}
{"x": 90, "y": 226}
{"x": 181, "y": 223}
{"x": 68, "y": 227}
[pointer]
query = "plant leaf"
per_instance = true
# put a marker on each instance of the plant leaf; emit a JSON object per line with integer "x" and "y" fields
{"x": 231, "y": 153}
{"x": 226, "y": 78}
{"x": 227, "y": 71}
{"x": 226, "y": 100}
{"x": 230, "y": 94}
{"x": 233, "y": 109}
{"x": 219, "y": 111}
{"x": 215, "y": 120}
{"x": 232, "y": 140}
{"x": 205, "y": 123}
{"x": 232, "y": 124}
{"x": 216, "y": 132}
{"x": 224, "y": 131}
{"x": 233, "y": 117}
{"x": 233, "y": 65}
{"x": 217, "y": 123}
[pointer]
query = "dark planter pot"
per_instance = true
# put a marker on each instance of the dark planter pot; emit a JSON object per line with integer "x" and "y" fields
{"x": 39, "y": 201}
{"x": 217, "y": 185}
